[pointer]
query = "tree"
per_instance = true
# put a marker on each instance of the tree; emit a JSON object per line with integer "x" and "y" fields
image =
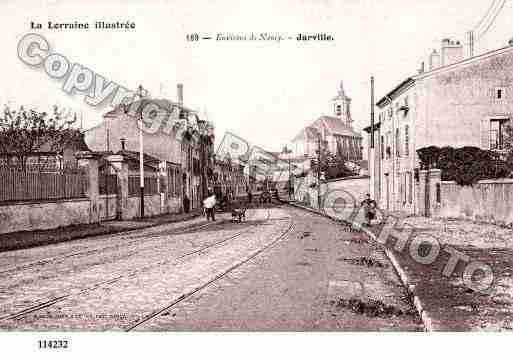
{"x": 465, "y": 165}
{"x": 24, "y": 132}
{"x": 334, "y": 166}
{"x": 508, "y": 144}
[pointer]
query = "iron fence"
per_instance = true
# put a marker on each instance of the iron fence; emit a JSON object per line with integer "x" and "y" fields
{"x": 134, "y": 184}
{"x": 27, "y": 184}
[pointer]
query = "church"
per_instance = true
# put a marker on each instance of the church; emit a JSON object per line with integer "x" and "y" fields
{"x": 335, "y": 130}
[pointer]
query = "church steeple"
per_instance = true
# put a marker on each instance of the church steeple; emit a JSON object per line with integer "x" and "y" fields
{"x": 341, "y": 106}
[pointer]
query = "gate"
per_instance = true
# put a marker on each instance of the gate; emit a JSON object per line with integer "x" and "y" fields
{"x": 109, "y": 192}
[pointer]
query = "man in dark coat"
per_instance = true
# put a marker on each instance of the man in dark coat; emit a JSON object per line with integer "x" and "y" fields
{"x": 369, "y": 205}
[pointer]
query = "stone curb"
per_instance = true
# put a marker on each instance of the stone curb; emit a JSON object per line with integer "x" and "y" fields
{"x": 427, "y": 321}
{"x": 107, "y": 230}
{"x": 417, "y": 303}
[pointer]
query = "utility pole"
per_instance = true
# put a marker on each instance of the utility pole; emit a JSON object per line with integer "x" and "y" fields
{"x": 290, "y": 180}
{"x": 141, "y": 151}
{"x": 319, "y": 171}
{"x": 372, "y": 112}
{"x": 287, "y": 151}
{"x": 372, "y": 151}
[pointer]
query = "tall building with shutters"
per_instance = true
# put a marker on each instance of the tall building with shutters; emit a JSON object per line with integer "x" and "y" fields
{"x": 456, "y": 101}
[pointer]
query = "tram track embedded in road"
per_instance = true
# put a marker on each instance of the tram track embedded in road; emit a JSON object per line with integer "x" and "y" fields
{"x": 75, "y": 292}
{"x": 97, "y": 249}
{"x": 210, "y": 282}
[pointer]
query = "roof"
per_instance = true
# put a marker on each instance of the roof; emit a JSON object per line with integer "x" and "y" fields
{"x": 134, "y": 156}
{"x": 164, "y": 104}
{"x": 411, "y": 80}
{"x": 306, "y": 134}
{"x": 332, "y": 125}
{"x": 463, "y": 62}
{"x": 397, "y": 90}
{"x": 336, "y": 127}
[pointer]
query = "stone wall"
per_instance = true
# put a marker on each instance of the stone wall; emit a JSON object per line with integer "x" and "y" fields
{"x": 94, "y": 208}
{"x": 152, "y": 206}
{"x": 174, "y": 205}
{"x": 357, "y": 187}
{"x": 489, "y": 201}
{"x": 353, "y": 188}
{"x": 107, "y": 206}
{"x": 30, "y": 216}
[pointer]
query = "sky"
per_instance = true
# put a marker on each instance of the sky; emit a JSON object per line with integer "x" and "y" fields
{"x": 264, "y": 92}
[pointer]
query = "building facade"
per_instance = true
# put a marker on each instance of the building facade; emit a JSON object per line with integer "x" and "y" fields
{"x": 335, "y": 130}
{"x": 228, "y": 179}
{"x": 458, "y": 102}
{"x": 183, "y": 143}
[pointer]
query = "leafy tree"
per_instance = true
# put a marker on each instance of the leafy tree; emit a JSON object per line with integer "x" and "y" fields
{"x": 334, "y": 166}
{"x": 24, "y": 132}
{"x": 508, "y": 144}
{"x": 466, "y": 165}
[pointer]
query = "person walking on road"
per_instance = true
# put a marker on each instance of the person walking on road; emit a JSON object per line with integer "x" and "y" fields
{"x": 210, "y": 204}
{"x": 369, "y": 206}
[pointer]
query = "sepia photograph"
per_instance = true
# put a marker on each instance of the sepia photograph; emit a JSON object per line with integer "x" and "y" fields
{"x": 267, "y": 173}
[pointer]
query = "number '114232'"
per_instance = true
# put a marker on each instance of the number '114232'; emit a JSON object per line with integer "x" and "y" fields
{"x": 52, "y": 344}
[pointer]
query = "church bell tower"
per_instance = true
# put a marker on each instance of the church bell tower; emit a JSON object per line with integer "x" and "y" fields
{"x": 340, "y": 105}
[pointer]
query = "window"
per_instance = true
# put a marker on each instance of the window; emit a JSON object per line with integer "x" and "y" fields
{"x": 438, "y": 193}
{"x": 397, "y": 143}
{"x": 497, "y": 133}
{"x": 406, "y": 141}
{"x": 388, "y": 142}
{"x": 405, "y": 187}
{"x": 338, "y": 110}
{"x": 410, "y": 187}
{"x": 499, "y": 93}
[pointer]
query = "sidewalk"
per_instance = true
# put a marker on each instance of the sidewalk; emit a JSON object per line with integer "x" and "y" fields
{"x": 446, "y": 304}
{"x": 26, "y": 239}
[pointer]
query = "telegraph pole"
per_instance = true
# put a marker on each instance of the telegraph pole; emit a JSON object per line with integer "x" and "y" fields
{"x": 288, "y": 152}
{"x": 372, "y": 150}
{"x": 372, "y": 112}
{"x": 141, "y": 152}
{"x": 319, "y": 170}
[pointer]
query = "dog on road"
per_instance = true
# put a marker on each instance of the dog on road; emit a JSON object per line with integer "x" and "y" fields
{"x": 238, "y": 214}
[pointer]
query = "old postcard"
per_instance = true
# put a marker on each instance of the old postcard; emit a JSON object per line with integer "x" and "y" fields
{"x": 255, "y": 166}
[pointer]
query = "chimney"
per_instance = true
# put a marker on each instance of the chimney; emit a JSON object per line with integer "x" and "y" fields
{"x": 422, "y": 68}
{"x": 434, "y": 60}
{"x": 179, "y": 94}
{"x": 452, "y": 52}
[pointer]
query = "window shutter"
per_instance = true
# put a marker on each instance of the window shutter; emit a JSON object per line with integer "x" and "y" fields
{"x": 485, "y": 134}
